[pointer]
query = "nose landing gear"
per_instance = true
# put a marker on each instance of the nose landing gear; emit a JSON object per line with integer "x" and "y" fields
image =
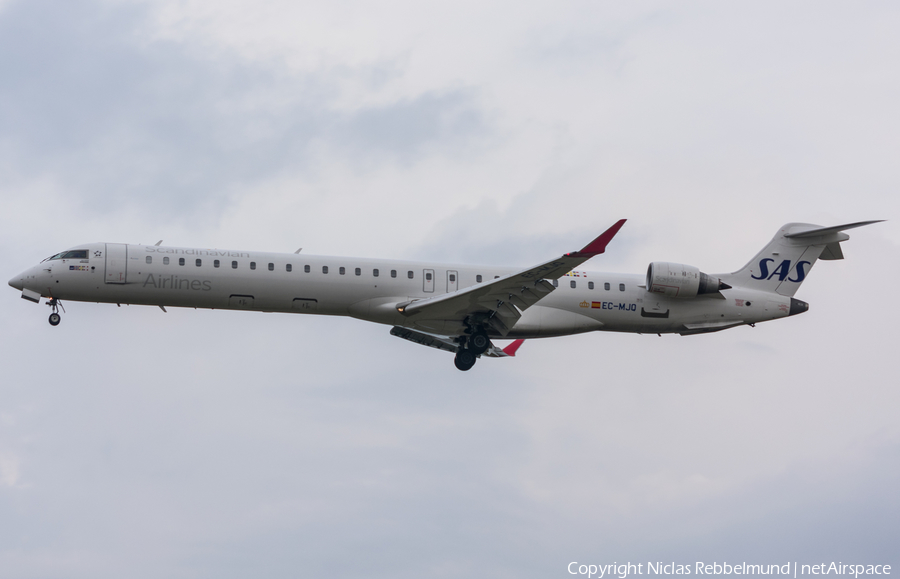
{"x": 55, "y": 318}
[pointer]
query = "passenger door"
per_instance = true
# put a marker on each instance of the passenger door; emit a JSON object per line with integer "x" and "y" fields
{"x": 116, "y": 262}
{"x": 452, "y": 281}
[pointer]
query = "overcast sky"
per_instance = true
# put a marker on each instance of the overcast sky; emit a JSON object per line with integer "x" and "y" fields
{"x": 232, "y": 444}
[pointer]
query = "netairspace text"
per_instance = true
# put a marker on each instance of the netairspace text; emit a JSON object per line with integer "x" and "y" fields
{"x": 623, "y": 570}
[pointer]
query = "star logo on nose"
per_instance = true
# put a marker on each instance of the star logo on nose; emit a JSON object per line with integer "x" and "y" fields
{"x": 98, "y": 253}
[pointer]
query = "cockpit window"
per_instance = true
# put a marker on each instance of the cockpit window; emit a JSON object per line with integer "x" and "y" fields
{"x": 73, "y": 254}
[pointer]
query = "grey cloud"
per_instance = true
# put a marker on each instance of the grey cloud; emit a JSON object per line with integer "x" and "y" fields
{"x": 121, "y": 121}
{"x": 216, "y": 444}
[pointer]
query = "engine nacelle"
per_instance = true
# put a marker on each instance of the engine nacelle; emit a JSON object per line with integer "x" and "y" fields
{"x": 677, "y": 280}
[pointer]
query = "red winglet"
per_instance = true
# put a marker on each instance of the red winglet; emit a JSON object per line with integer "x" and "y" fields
{"x": 599, "y": 245}
{"x": 510, "y": 350}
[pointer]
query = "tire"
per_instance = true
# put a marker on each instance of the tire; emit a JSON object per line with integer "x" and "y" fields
{"x": 55, "y": 319}
{"x": 479, "y": 342}
{"x": 464, "y": 359}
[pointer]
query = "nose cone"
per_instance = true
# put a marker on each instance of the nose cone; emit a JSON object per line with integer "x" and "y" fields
{"x": 18, "y": 282}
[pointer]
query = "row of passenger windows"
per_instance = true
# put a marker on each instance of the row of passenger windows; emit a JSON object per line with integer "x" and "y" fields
{"x": 288, "y": 267}
{"x": 606, "y": 285}
{"x": 358, "y": 271}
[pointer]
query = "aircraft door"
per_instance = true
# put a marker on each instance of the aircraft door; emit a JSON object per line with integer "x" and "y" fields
{"x": 452, "y": 281}
{"x": 428, "y": 276}
{"x": 116, "y": 262}
{"x": 240, "y": 302}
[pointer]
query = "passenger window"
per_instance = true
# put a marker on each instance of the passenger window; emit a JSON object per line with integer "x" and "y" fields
{"x": 606, "y": 286}
{"x": 375, "y": 272}
{"x": 409, "y": 274}
{"x": 271, "y": 267}
{"x": 393, "y": 273}
{"x": 233, "y": 265}
{"x": 306, "y": 268}
{"x": 149, "y": 259}
{"x": 478, "y": 278}
{"x": 252, "y": 265}
{"x": 288, "y": 268}
{"x": 165, "y": 261}
{"x": 452, "y": 277}
{"x": 428, "y": 276}
{"x": 216, "y": 263}
{"x": 556, "y": 283}
{"x": 621, "y": 287}
{"x": 180, "y": 261}
{"x": 324, "y": 269}
{"x": 358, "y": 271}
{"x": 572, "y": 284}
{"x": 590, "y": 285}
{"x": 343, "y": 270}
{"x": 496, "y": 277}
{"x": 198, "y": 262}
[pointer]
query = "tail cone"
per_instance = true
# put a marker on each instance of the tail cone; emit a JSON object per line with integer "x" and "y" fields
{"x": 798, "y": 307}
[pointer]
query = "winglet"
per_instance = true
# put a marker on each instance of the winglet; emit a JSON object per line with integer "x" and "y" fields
{"x": 510, "y": 350}
{"x": 598, "y": 246}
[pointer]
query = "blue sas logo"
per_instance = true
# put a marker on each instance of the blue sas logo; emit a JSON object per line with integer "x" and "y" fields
{"x": 782, "y": 271}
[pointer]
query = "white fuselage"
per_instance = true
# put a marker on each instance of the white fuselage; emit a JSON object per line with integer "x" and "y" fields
{"x": 370, "y": 289}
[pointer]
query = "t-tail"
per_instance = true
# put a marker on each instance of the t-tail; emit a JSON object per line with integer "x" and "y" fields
{"x": 786, "y": 261}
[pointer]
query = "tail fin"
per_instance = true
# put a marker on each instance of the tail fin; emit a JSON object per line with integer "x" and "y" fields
{"x": 785, "y": 262}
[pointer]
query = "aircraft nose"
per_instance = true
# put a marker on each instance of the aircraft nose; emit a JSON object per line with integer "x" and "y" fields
{"x": 18, "y": 282}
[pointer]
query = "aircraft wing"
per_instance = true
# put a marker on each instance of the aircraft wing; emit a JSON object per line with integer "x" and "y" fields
{"x": 500, "y": 302}
{"x": 447, "y": 343}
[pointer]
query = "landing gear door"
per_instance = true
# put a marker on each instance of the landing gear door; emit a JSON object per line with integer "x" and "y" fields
{"x": 452, "y": 281}
{"x": 116, "y": 262}
{"x": 428, "y": 276}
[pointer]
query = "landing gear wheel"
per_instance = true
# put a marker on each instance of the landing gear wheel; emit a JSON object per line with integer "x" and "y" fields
{"x": 55, "y": 319}
{"x": 465, "y": 359}
{"x": 479, "y": 342}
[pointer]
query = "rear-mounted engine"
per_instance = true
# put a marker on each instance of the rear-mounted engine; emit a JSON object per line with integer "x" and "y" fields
{"x": 677, "y": 280}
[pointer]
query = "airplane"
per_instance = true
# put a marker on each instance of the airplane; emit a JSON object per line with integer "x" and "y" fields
{"x": 457, "y": 308}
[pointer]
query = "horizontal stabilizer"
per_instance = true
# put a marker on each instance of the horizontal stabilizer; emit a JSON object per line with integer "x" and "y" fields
{"x": 828, "y": 230}
{"x": 832, "y": 251}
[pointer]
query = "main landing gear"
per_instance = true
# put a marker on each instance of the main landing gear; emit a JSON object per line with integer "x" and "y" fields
{"x": 55, "y": 318}
{"x": 465, "y": 359}
{"x": 470, "y": 348}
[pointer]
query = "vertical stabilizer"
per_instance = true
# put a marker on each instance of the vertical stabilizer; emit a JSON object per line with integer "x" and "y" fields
{"x": 785, "y": 262}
